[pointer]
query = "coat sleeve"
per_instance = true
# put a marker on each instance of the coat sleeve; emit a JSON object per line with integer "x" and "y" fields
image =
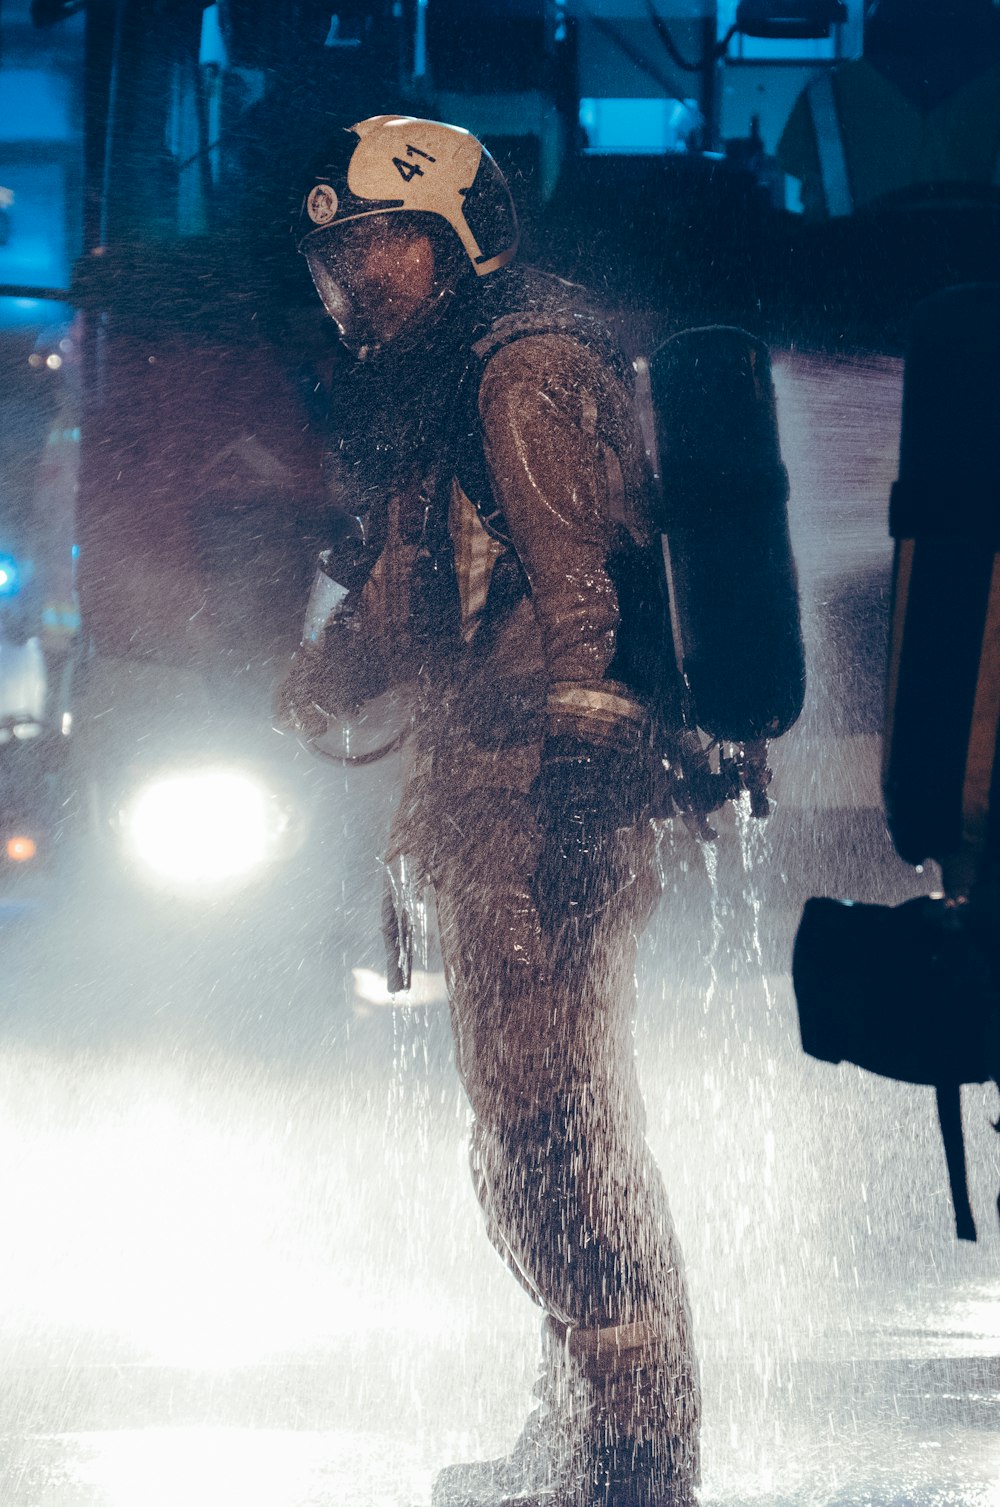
{"x": 551, "y": 415}
{"x": 365, "y": 649}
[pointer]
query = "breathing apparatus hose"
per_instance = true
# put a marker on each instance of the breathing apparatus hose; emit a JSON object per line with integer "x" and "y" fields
{"x": 358, "y": 761}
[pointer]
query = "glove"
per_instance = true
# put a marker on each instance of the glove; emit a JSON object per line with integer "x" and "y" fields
{"x": 302, "y": 703}
{"x": 586, "y": 793}
{"x": 331, "y": 679}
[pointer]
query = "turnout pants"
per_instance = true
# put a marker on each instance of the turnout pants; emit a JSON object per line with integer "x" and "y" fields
{"x": 572, "y": 1198}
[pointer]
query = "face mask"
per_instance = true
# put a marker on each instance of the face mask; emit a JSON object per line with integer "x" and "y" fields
{"x": 330, "y": 267}
{"x": 375, "y": 278}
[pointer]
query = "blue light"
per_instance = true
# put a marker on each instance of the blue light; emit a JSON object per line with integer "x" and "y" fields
{"x": 644, "y": 127}
{"x": 10, "y": 576}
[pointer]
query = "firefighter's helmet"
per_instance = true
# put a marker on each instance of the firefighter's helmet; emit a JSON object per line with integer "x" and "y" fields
{"x": 392, "y": 164}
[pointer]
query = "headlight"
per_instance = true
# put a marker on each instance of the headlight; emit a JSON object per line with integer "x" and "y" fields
{"x": 204, "y": 828}
{"x": 21, "y": 848}
{"x": 10, "y": 576}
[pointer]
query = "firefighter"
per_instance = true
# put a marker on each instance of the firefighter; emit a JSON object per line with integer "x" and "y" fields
{"x": 921, "y": 107}
{"x": 504, "y": 567}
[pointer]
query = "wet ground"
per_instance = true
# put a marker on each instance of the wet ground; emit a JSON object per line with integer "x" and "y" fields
{"x": 241, "y": 1262}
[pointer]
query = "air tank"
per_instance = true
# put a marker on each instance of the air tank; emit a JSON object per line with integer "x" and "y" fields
{"x": 734, "y": 586}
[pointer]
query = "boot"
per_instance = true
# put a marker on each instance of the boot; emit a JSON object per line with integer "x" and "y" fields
{"x": 609, "y": 1431}
{"x": 546, "y": 1453}
{"x": 641, "y": 1434}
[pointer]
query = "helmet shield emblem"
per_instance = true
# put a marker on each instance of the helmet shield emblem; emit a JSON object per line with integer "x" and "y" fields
{"x": 322, "y": 204}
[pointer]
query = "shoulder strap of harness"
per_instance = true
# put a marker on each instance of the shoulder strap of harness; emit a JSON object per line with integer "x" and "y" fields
{"x": 471, "y": 470}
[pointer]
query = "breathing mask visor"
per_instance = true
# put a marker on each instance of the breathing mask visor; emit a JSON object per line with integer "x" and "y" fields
{"x": 376, "y": 276}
